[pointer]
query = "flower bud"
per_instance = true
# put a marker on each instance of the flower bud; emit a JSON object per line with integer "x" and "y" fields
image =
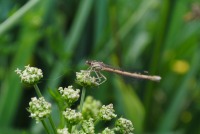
{"x": 84, "y": 78}
{"x": 107, "y": 112}
{"x": 63, "y": 131}
{"x": 124, "y": 126}
{"x": 107, "y": 131}
{"x": 31, "y": 75}
{"x": 72, "y": 116}
{"x": 88, "y": 126}
{"x": 39, "y": 108}
{"x": 91, "y": 108}
{"x": 69, "y": 94}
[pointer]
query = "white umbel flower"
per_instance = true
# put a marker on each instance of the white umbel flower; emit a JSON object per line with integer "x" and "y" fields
{"x": 69, "y": 94}
{"x": 124, "y": 126}
{"x": 72, "y": 116}
{"x": 31, "y": 75}
{"x": 63, "y": 131}
{"x": 39, "y": 108}
{"x": 107, "y": 112}
{"x": 85, "y": 79}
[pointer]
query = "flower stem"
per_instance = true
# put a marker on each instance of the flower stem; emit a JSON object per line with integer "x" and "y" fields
{"x": 52, "y": 124}
{"x": 69, "y": 126}
{"x": 50, "y": 118}
{"x": 82, "y": 98}
{"x": 62, "y": 120}
{"x": 37, "y": 90}
{"x": 45, "y": 126}
{"x": 97, "y": 121}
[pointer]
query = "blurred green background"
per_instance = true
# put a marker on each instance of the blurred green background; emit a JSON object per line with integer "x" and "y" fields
{"x": 58, "y": 36}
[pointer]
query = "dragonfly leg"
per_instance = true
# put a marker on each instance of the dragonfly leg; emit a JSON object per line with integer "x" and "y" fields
{"x": 99, "y": 76}
{"x": 103, "y": 78}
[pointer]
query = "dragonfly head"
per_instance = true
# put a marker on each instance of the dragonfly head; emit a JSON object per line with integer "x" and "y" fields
{"x": 88, "y": 62}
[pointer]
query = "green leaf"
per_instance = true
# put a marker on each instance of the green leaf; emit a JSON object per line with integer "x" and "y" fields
{"x": 131, "y": 104}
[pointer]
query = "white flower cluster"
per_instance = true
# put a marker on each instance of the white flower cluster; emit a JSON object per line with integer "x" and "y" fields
{"x": 107, "y": 112}
{"x": 31, "y": 75}
{"x": 63, "y": 131}
{"x": 39, "y": 108}
{"x": 79, "y": 132}
{"x": 72, "y": 116}
{"x": 88, "y": 126}
{"x": 84, "y": 78}
{"x": 69, "y": 94}
{"x": 107, "y": 131}
{"x": 124, "y": 126}
{"x": 91, "y": 108}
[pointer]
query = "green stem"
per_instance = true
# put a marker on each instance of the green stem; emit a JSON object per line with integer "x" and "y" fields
{"x": 97, "y": 121}
{"x": 45, "y": 126}
{"x": 50, "y": 118}
{"x": 37, "y": 90}
{"x": 62, "y": 119}
{"x": 82, "y": 98}
{"x": 7, "y": 24}
{"x": 69, "y": 126}
{"x": 52, "y": 124}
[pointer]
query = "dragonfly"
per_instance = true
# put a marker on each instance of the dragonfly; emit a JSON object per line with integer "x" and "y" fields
{"x": 96, "y": 67}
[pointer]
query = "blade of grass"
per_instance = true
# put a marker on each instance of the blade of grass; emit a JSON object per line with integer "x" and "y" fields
{"x": 156, "y": 52}
{"x": 78, "y": 26}
{"x": 100, "y": 19}
{"x": 11, "y": 86}
{"x": 13, "y": 131}
{"x": 130, "y": 103}
{"x": 12, "y": 20}
{"x": 71, "y": 40}
{"x": 140, "y": 42}
{"x": 28, "y": 37}
{"x": 171, "y": 115}
{"x": 126, "y": 28}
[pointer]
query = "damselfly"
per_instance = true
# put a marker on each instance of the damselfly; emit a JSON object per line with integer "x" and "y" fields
{"x": 96, "y": 67}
